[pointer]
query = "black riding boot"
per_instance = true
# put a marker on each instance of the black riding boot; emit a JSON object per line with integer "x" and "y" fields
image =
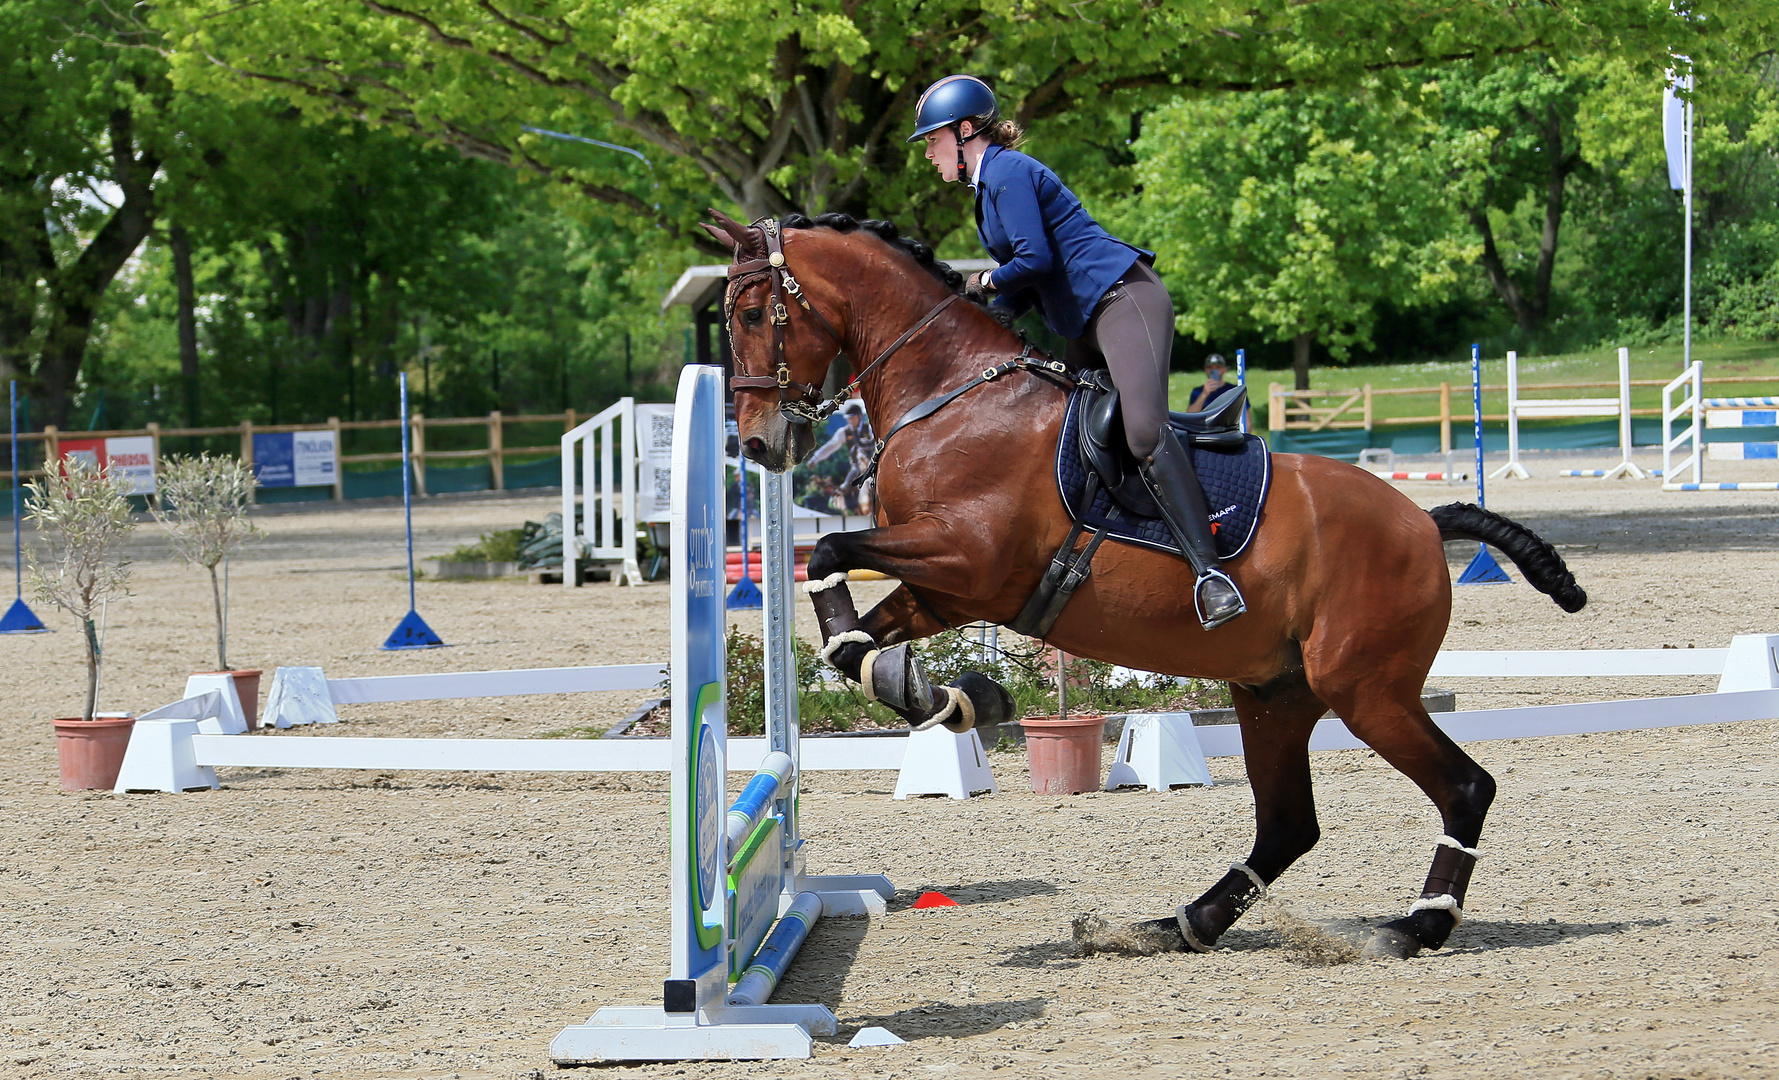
{"x": 1171, "y": 479}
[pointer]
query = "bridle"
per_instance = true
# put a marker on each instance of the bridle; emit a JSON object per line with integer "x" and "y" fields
{"x": 800, "y": 402}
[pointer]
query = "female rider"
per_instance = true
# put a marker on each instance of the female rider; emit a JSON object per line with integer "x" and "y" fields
{"x": 1090, "y": 287}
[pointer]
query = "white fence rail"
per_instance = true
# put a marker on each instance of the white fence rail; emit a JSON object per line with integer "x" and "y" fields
{"x": 1554, "y": 408}
{"x": 1691, "y": 381}
{"x": 605, "y": 529}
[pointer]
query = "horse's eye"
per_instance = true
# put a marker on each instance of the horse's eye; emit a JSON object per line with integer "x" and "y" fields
{"x": 752, "y": 316}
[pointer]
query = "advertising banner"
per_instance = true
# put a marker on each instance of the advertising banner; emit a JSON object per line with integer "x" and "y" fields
{"x": 131, "y": 458}
{"x": 295, "y": 459}
{"x": 654, "y": 462}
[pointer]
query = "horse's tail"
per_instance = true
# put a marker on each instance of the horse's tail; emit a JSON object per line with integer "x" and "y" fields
{"x": 1541, "y": 564}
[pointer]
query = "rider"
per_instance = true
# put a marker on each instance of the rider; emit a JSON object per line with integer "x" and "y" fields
{"x": 1090, "y": 287}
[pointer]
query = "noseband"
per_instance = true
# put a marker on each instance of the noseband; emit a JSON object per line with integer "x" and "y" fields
{"x": 801, "y": 403}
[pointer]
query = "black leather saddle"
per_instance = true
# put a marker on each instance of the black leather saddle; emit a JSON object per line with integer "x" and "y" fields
{"x": 1104, "y": 449}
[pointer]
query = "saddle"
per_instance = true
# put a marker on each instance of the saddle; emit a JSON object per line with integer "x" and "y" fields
{"x": 1104, "y": 494}
{"x": 1105, "y": 451}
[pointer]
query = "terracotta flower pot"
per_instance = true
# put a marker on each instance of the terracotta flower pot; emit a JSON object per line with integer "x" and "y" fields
{"x": 91, "y": 752}
{"x": 247, "y": 689}
{"x": 1064, "y": 753}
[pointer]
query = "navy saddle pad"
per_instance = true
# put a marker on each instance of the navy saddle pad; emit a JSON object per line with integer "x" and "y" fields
{"x": 1235, "y": 484}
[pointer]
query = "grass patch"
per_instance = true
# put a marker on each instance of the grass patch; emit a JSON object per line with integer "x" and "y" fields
{"x": 502, "y": 545}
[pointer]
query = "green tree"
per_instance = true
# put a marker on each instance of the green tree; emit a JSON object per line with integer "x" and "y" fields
{"x": 1296, "y": 214}
{"x": 802, "y": 106}
{"x": 1529, "y": 110}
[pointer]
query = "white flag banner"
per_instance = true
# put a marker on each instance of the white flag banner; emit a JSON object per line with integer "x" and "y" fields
{"x": 1674, "y": 130}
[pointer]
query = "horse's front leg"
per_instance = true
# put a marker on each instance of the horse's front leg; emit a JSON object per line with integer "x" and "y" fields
{"x": 874, "y": 651}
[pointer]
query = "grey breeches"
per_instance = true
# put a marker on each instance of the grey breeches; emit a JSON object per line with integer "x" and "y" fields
{"x": 1133, "y": 330}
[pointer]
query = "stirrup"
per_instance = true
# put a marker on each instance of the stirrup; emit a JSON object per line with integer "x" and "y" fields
{"x": 1198, "y": 589}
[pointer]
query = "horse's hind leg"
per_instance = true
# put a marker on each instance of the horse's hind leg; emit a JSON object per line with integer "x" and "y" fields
{"x": 1275, "y": 743}
{"x": 1397, "y": 726}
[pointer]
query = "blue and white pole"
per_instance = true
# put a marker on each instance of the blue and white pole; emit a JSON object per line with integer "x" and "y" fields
{"x": 412, "y": 632}
{"x": 766, "y": 785}
{"x": 1483, "y": 569}
{"x": 19, "y": 618}
{"x": 1241, "y": 379}
{"x": 780, "y": 947}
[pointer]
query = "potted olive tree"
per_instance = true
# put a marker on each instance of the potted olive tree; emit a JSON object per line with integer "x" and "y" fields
{"x": 204, "y": 508}
{"x": 82, "y": 511}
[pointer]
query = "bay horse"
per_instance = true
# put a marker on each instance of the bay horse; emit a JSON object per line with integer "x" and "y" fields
{"x": 1348, "y": 591}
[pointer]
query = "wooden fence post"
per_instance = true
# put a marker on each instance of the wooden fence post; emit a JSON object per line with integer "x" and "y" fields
{"x": 496, "y": 452}
{"x": 333, "y": 423}
{"x": 52, "y": 445}
{"x": 1445, "y": 417}
{"x": 568, "y": 420}
{"x": 1368, "y": 411}
{"x": 1275, "y": 407}
{"x": 154, "y": 459}
{"x": 247, "y": 457}
{"x": 418, "y": 423}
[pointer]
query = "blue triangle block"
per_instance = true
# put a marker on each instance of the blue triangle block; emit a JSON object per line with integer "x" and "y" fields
{"x": 412, "y": 633}
{"x": 20, "y": 619}
{"x": 745, "y": 596}
{"x": 1483, "y": 570}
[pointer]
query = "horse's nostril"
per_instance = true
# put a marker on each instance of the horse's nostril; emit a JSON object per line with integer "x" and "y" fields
{"x": 755, "y": 445}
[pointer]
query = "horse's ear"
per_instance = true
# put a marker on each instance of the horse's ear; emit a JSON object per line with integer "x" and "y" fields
{"x": 721, "y": 237}
{"x": 745, "y": 241}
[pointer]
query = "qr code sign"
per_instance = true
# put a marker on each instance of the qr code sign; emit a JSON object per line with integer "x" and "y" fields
{"x": 661, "y": 432}
{"x": 663, "y": 486}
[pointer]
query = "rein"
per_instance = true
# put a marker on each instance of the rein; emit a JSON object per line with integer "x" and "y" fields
{"x": 800, "y": 402}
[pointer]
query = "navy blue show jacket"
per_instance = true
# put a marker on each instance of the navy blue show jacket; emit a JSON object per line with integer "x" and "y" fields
{"x": 1053, "y": 255}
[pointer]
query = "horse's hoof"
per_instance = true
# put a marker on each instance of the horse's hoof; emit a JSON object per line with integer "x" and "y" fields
{"x": 1390, "y": 943}
{"x": 990, "y": 700}
{"x": 899, "y": 681}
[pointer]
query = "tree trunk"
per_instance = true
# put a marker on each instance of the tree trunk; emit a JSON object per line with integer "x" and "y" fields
{"x": 77, "y": 288}
{"x": 1300, "y": 358}
{"x": 92, "y": 669}
{"x": 1499, "y": 278}
{"x": 222, "y": 641}
{"x": 179, "y": 242}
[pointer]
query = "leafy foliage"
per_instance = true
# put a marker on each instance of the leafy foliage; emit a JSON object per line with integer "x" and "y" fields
{"x": 203, "y": 505}
{"x": 83, "y": 513}
{"x": 1297, "y": 213}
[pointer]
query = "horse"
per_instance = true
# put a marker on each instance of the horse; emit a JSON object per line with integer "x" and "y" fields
{"x": 1348, "y": 591}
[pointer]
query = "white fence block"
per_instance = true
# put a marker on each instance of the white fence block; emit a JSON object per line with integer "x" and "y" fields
{"x": 1159, "y": 751}
{"x": 1752, "y": 663}
{"x": 228, "y": 719}
{"x": 941, "y": 762}
{"x": 160, "y": 758}
{"x": 299, "y": 695}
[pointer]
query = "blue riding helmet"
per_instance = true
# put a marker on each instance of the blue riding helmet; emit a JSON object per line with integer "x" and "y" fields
{"x": 951, "y": 100}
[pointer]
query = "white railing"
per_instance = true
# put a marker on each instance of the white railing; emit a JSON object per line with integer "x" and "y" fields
{"x": 1553, "y": 408}
{"x": 605, "y": 530}
{"x": 1692, "y": 382}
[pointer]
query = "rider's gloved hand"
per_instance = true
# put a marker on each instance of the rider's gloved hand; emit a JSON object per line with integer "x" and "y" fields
{"x": 978, "y": 287}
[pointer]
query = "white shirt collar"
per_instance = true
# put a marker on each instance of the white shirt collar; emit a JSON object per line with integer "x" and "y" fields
{"x": 976, "y": 172}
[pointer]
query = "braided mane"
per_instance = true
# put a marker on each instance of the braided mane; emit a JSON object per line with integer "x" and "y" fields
{"x": 888, "y": 233}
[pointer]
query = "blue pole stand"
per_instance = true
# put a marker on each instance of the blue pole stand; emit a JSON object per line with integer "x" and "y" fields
{"x": 412, "y": 632}
{"x": 19, "y": 618}
{"x": 746, "y": 595}
{"x": 1483, "y": 569}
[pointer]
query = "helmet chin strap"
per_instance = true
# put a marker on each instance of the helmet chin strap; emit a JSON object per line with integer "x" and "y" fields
{"x": 963, "y": 175}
